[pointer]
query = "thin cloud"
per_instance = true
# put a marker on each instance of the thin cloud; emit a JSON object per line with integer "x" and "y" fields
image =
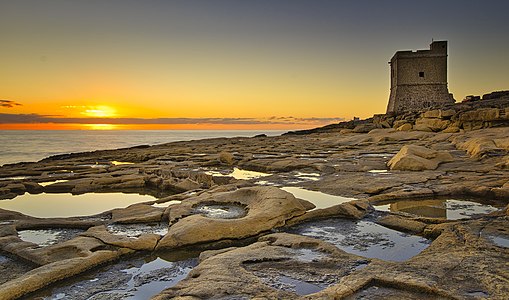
{"x": 9, "y": 103}
{"x": 37, "y": 118}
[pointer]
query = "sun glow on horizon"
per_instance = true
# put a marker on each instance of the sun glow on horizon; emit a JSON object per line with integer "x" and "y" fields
{"x": 101, "y": 111}
{"x": 100, "y": 126}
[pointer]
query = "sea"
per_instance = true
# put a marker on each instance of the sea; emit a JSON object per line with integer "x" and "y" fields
{"x": 34, "y": 145}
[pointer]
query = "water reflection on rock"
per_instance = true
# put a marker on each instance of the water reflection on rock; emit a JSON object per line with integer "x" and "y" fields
{"x": 47, "y": 205}
{"x": 439, "y": 208}
{"x": 135, "y": 230}
{"x": 365, "y": 238}
{"x": 136, "y": 278}
{"x": 47, "y": 237}
{"x": 238, "y": 174}
{"x": 319, "y": 199}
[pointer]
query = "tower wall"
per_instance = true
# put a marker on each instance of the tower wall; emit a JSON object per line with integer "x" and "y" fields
{"x": 419, "y": 79}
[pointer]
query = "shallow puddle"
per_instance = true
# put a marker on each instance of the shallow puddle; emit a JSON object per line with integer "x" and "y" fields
{"x": 135, "y": 230}
{"x": 239, "y": 174}
{"x": 136, "y": 278}
{"x": 47, "y": 237}
{"x": 96, "y": 165}
{"x": 220, "y": 211}
{"x": 15, "y": 178}
{"x": 383, "y": 293}
{"x": 308, "y": 255}
{"x": 449, "y": 209}
{"x": 300, "y": 287}
{"x": 46, "y": 183}
{"x": 382, "y": 155}
{"x": 120, "y": 163}
{"x": 500, "y": 241}
{"x": 166, "y": 204}
{"x": 67, "y": 205}
{"x": 265, "y": 155}
{"x": 365, "y": 238}
{"x": 308, "y": 176}
{"x": 379, "y": 171}
{"x": 246, "y": 175}
{"x": 319, "y": 199}
{"x": 265, "y": 182}
{"x": 11, "y": 268}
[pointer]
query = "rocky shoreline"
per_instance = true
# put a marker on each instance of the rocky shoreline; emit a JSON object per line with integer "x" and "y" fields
{"x": 221, "y": 199}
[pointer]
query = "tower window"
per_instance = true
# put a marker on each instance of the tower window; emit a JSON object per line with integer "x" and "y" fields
{"x": 421, "y": 74}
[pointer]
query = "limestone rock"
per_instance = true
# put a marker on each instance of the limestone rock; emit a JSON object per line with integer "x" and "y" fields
{"x": 247, "y": 272}
{"x": 431, "y": 114}
{"x": 480, "y": 146}
{"x": 402, "y": 224}
{"x": 451, "y": 129}
{"x": 427, "y": 124}
{"x": 398, "y": 123}
{"x": 187, "y": 185}
{"x": 405, "y": 127}
{"x": 137, "y": 213}
{"x": 350, "y": 210}
{"x": 55, "y": 271}
{"x": 439, "y": 113}
{"x": 481, "y": 114}
{"x": 418, "y": 158}
{"x": 364, "y": 128}
{"x": 267, "y": 208}
{"x": 145, "y": 242}
{"x": 226, "y": 158}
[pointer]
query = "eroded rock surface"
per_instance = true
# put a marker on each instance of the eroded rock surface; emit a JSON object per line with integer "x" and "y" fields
{"x": 464, "y": 258}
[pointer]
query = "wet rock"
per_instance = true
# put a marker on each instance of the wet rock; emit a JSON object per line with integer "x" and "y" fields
{"x": 33, "y": 187}
{"x": 402, "y": 224}
{"x": 56, "y": 271}
{"x": 351, "y": 210}
{"x": 6, "y": 230}
{"x": 143, "y": 242}
{"x": 256, "y": 271}
{"x": 12, "y": 268}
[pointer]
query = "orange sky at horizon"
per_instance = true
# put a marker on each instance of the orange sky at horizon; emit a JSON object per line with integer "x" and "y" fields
{"x": 54, "y": 126}
{"x": 272, "y": 64}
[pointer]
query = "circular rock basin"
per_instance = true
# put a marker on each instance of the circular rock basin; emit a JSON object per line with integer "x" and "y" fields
{"x": 220, "y": 210}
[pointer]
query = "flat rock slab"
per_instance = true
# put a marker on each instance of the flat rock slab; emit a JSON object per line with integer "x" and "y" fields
{"x": 261, "y": 269}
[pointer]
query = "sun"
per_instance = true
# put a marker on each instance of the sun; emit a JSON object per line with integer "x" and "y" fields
{"x": 101, "y": 111}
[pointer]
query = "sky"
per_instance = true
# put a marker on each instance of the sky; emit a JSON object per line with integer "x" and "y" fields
{"x": 230, "y": 64}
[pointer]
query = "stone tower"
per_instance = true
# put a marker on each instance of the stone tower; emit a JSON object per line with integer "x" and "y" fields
{"x": 419, "y": 79}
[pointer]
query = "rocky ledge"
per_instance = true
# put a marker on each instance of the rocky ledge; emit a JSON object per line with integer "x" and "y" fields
{"x": 291, "y": 216}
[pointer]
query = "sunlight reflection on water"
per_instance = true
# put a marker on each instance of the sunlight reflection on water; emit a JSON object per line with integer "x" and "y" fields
{"x": 67, "y": 205}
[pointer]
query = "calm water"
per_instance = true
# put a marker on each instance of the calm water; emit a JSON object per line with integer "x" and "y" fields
{"x": 34, "y": 145}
